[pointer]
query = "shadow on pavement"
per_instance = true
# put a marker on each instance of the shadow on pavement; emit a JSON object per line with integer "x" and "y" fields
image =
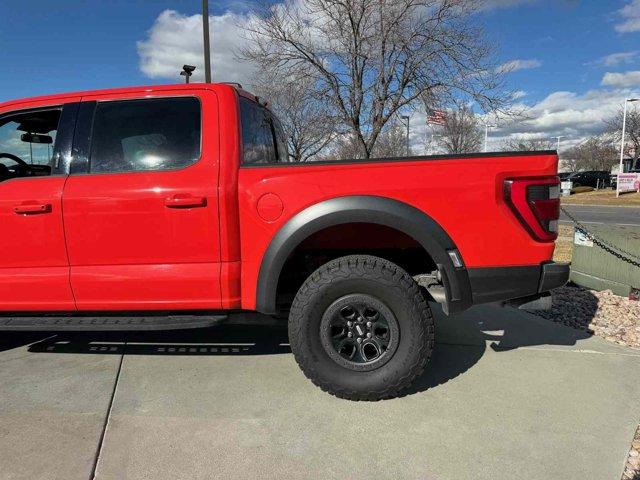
{"x": 219, "y": 340}
{"x": 461, "y": 341}
{"x": 11, "y": 340}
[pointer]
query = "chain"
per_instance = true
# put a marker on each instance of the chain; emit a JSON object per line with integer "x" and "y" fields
{"x": 618, "y": 252}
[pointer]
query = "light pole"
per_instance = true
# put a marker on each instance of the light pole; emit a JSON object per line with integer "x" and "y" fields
{"x": 486, "y": 134}
{"x": 558, "y": 137}
{"x": 207, "y": 44}
{"x": 624, "y": 125}
{"x": 406, "y": 119}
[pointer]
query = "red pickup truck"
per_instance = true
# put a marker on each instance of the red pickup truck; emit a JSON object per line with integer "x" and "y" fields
{"x": 176, "y": 206}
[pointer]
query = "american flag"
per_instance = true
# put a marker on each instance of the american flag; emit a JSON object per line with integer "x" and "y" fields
{"x": 437, "y": 117}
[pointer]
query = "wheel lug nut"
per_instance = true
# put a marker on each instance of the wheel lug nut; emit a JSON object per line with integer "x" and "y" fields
{"x": 368, "y": 335}
{"x": 350, "y": 334}
{"x": 359, "y": 340}
{"x": 369, "y": 324}
{"x": 349, "y": 323}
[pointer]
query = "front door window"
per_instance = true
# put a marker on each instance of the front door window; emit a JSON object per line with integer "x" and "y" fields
{"x": 27, "y": 142}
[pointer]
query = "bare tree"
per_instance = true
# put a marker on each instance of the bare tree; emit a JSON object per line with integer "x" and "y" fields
{"x": 523, "y": 144}
{"x": 632, "y": 131}
{"x": 392, "y": 141}
{"x": 305, "y": 118}
{"x": 373, "y": 58}
{"x": 461, "y": 132}
{"x": 596, "y": 153}
{"x": 344, "y": 146}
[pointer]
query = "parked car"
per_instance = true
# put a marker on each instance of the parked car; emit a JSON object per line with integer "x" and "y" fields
{"x": 591, "y": 178}
{"x": 564, "y": 175}
{"x": 176, "y": 206}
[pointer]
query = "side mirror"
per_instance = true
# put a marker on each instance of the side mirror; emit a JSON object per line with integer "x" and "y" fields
{"x": 36, "y": 138}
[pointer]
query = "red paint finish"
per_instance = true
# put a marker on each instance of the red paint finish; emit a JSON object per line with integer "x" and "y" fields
{"x": 464, "y": 196}
{"x": 194, "y": 238}
{"x": 34, "y": 268}
{"x": 147, "y": 240}
{"x": 156, "y": 286}
{"x": 230, "y": 282}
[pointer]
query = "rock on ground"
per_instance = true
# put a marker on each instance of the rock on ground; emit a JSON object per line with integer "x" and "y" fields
{"x": 607, "y": 315}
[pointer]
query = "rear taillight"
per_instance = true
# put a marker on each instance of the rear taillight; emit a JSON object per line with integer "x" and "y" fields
{"x": 536, "y": 203}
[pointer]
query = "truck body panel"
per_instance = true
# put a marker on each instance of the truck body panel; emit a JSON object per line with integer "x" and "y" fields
{"x": 472, "y": 211}
{"x": 195, "y": 237}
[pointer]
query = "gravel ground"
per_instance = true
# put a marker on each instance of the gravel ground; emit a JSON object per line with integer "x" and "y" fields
{"x": 632, "y": 468}
{"x": 614, "y": 318}
{"x": 564, "y": 244}
{"x": 607, "y": 315}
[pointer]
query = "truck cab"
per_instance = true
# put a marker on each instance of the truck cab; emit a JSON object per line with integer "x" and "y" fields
{"x": 136, "y": 228}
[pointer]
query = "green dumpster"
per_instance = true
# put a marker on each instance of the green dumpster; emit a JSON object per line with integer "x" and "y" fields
{"x": 594, "y": 267}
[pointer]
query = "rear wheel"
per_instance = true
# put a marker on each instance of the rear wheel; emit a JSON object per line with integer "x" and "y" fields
{"x": 360, "y": 328}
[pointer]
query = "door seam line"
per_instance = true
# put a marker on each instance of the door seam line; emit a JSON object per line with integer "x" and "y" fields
{"x": 66, "y": 246}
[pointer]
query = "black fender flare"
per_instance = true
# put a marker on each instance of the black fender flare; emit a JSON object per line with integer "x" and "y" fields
{"x": 363, "y": 209}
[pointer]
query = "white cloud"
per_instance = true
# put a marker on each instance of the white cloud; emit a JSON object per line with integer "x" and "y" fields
{"x": 620, "y": 80}
{"x": 492, "y": 4}
{"x": 574, "y": 116}
{"x": 565, "y": 113}
{"x": 630, "y": 17}
{"x": 615, "y": 59}
{"x": 175, "y": 39}
{"x": 518, "y": 94}
{"x": 518, "y": 64}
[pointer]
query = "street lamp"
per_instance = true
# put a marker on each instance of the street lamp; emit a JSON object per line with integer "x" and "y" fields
{"x": 486, "y": 134}
{"x": 624, "y": 124}
{"x": 558, "y": 137}
{"x": 187, "y": 71}
{"x": 207, "y": 44}
{"x": 406, "y": 119}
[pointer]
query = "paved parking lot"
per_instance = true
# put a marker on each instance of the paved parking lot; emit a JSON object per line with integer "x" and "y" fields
{"x": 508, "y": 395}
{"x": 601, "y": 214}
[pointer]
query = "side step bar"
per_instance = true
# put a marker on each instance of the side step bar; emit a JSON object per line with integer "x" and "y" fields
{"x": 52, "y": 323}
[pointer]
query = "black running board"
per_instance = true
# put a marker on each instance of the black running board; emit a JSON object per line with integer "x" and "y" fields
{"x": 106, "y": 323}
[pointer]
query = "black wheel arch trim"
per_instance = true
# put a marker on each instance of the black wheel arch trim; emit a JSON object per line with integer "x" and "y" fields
{"x": 362, "y": 209}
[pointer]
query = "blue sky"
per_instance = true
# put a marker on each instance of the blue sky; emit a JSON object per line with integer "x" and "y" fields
{"x": 561, "y": 51}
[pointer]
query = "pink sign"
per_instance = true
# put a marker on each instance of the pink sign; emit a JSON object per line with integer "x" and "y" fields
{"x": 628, "y": 182}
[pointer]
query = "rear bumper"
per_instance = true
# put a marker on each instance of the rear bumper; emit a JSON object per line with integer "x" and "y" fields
{"x": 495, "y": 284}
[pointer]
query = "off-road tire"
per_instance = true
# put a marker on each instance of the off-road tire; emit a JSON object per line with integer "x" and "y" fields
{"x": 389, "y": 284}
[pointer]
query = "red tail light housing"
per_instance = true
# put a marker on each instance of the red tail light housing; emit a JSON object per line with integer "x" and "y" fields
{"x": 536, "y": 203}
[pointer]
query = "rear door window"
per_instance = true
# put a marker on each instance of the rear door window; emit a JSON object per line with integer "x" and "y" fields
{"x": 150, "y": 134}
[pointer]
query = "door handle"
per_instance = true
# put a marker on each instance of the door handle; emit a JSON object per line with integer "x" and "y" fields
{"x": 32, "y": 208}
{"x": 185, "y": 201}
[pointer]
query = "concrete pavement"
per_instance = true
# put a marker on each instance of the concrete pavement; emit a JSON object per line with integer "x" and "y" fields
{"x": 507, "y": 395}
